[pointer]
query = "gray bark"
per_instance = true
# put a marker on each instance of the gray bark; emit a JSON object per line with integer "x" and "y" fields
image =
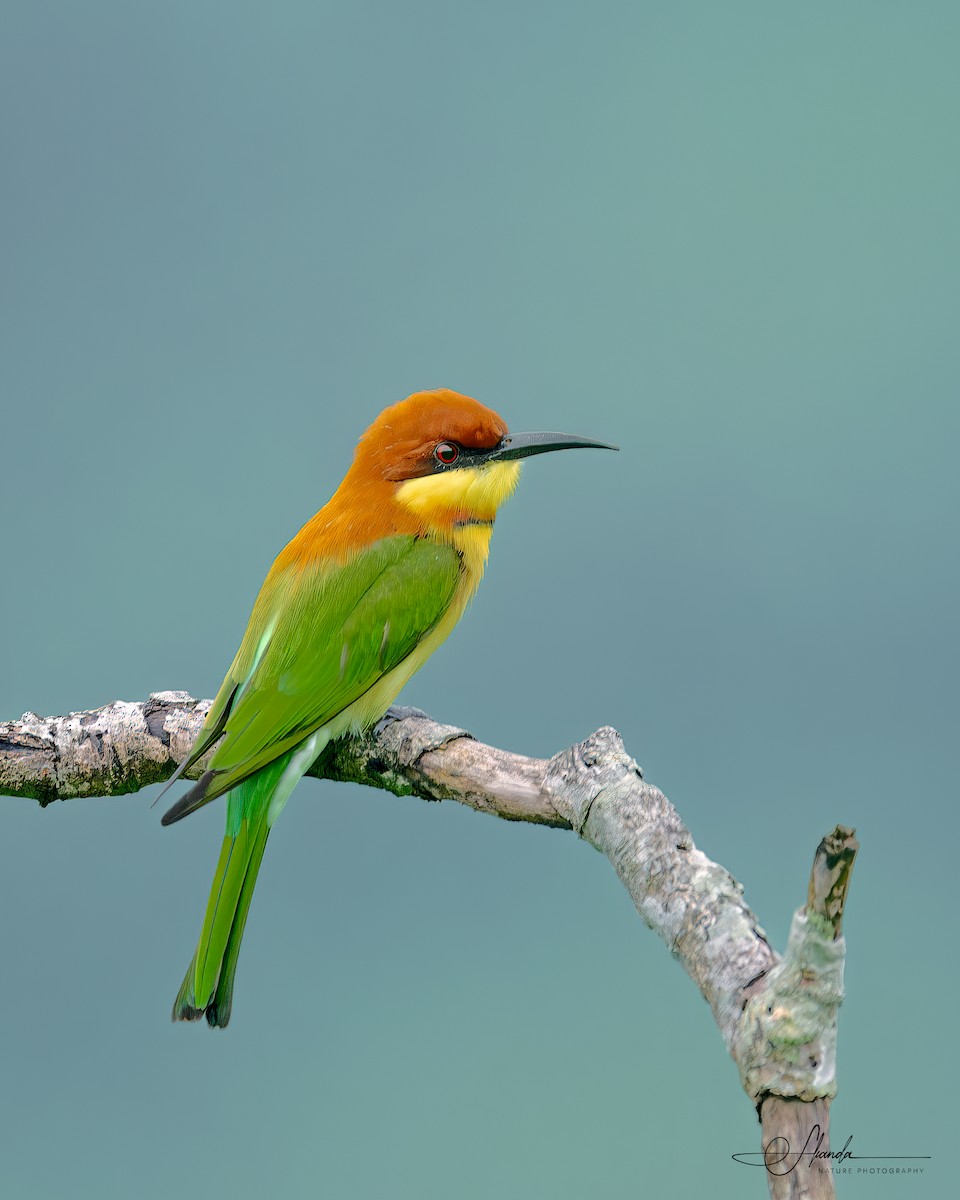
{"x": 777, "y": 1014}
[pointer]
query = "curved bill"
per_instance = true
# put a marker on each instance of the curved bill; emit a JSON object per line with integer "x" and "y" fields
{"x": 522, "y": 445}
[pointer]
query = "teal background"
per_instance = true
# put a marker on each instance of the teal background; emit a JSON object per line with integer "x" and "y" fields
{"x": 723, "y": 236}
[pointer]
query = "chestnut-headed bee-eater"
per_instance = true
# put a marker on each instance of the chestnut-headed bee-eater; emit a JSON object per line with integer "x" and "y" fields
{"x": 352, "y": 607}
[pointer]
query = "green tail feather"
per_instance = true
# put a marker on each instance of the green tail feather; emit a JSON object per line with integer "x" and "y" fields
{"x": 218, "y": 1010}
{"x": 207, "y": 988}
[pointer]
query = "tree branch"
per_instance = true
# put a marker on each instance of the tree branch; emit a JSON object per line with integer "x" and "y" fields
{"x": 777, "y": 1016}
{"x": 790, "y": 1033}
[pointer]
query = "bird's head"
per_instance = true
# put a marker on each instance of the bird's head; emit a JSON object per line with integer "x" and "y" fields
{"x": 449, "y": 457}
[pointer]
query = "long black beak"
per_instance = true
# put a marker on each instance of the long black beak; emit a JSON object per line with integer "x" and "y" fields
{"x": 522, "y": 445}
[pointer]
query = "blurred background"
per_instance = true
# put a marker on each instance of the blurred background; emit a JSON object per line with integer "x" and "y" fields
{"x": 723, "y": 236}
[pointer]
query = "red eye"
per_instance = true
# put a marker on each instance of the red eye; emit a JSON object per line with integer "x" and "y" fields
{"x": 447, "y": 453}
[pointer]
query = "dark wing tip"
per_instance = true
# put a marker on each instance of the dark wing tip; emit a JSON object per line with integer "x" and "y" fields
{"x": 190, "y": 801}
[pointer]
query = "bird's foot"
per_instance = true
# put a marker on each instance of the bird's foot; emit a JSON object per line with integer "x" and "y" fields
{"x": 398, "y": 712}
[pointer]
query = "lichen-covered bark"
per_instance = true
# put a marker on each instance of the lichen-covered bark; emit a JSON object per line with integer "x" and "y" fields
{"x": 777, "y": 1016}
{"x": 107, "y": 751}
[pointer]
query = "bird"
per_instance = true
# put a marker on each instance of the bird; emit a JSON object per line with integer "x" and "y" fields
{"x": 351, "y": 608}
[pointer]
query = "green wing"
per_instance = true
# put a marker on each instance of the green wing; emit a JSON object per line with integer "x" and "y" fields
{"x": 316, "y": 642}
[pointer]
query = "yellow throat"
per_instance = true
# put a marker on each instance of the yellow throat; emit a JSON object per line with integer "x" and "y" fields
{"x": 460, "y": 506}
